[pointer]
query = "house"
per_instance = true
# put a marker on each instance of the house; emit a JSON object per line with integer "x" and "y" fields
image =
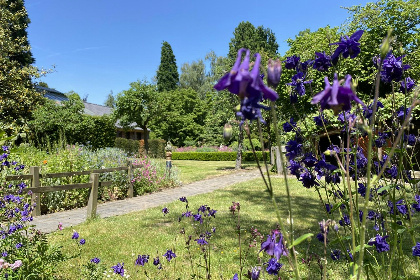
{"x": 134, "y": 132}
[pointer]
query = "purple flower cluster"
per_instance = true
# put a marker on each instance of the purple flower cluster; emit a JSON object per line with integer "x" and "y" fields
{"x": 248, "y": 85}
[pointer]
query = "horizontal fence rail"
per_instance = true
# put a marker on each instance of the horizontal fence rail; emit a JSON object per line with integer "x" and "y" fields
{"x": 36, "y": 187}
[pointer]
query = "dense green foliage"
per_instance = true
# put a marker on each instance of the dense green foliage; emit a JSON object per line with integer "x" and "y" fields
{"x": 256, "y": 39}
{"x": 167, "y": 75}
{"x": 157, "y": 148}
{"x": 130, "y": 146}
{"x": 180, "y": 116}
{"x": 137, "y": 106}
{"x": 66, "y": 122}
{"x": 215, "y": 156}
{"x": 17, "y": 95}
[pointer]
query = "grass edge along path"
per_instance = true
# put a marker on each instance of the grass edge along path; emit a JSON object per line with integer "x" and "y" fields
{"x": 48, "y": 223}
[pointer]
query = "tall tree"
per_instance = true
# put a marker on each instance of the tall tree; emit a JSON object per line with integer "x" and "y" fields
{"x": 181, "y": 116}
{"x": 137, "y": 106}
{"x": 254, "y": 39}
{"x": 167, "y": 75}
{"x": 110, "y": 100}
{"x": 261, "y": 40}
{"x": 194, "y": 76}
{"x": 17, "y": 95}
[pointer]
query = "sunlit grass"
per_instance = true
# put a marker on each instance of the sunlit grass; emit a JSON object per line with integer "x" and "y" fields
{"x": 192, "y": 170}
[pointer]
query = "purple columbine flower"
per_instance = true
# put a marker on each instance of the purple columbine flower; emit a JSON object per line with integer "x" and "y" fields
{"x": 273, "y": 73}
{"x": 336, "y": 97}
{"x": 183, "y": 199}
{"x": 118, "y": 269}
{"x": 320, "y": 121}
{"x": 401, "y": 207}
{"x": 407, "y": 85}
{"x": 201, "y": 241}
{"x": 322, "y": 62}
{"x": 293, "y": 149}
{"x": 308, "y": 179}
{"x": 393, "y": 68}
{"x": 95, "y": 260}
{"x": 273, "y": 266}
{"x": 142, "y": 260}
{"x": 416, "y": 250}
{"x": 335, "y": 255}
{"x": 292, "y": 62}
{"x": 254, "y": 274}
{"x": 273, "y": 248}
{"x": 288, "y": 126}
{"x": 165, "y": 210}
{"x": 347, "y": 46}
{"x": 82, "y": 241}
{"x": 243, "y": 82}
{"x": 75, "y": 235}
{"x": 298, "y": 83}
{"x": 235, "y": 277}
{"x": 169, "y": 255}
{"x": 380, "y": 243}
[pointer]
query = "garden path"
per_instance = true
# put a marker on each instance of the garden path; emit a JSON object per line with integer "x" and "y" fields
{"x": 49, "y": 223}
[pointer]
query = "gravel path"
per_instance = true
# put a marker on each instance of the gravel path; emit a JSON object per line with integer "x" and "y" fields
{"x": 48, "y": 223}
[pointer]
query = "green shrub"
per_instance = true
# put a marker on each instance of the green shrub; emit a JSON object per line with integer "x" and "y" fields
{"x": 157, "y": 148}
{"x": 128, "y": 145}
{"x": 214, "y": 156}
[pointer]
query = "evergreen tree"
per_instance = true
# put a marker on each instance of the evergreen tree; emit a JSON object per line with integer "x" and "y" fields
{"x": 167, "y": 75}
{"x": 17, "y": 95}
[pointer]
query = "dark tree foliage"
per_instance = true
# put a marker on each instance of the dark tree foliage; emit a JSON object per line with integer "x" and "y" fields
{"x": 167, "y": 75}
{"x": 246, "y": 35}
{"x": 67, "y": 122}
{"x": 17, "y": 95}
{"x": 181, "y": 116}
{"x": 137, "y": 106}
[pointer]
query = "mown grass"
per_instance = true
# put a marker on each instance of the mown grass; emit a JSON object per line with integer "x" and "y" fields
{"x": 193, "y": 170}
{"x": 122, "y": 238}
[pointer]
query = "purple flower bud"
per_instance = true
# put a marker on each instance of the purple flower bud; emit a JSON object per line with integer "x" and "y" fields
{"x": 273, "y": 73}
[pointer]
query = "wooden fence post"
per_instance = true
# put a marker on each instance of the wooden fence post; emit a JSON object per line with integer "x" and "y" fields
{"x": 35, "y": 197}
{"x": 130, "y": 192}
{"x": 93, "y": 198}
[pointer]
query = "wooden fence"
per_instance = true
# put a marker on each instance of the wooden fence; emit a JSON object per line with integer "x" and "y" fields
{"x": 36, "y": 187}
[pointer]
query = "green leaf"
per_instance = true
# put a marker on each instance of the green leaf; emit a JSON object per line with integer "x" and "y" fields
{"x": 301, "y": 239}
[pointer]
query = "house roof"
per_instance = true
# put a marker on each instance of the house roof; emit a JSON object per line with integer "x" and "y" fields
{"x": 52, "y": 93}
{"x": 96, "y": 110}
{"x": 90, "y": 108}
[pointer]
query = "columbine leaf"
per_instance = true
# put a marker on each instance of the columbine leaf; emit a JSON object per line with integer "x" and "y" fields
{"x": 300, "y": 239}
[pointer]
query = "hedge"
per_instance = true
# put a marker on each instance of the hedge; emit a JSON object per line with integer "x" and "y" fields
{"x": 128, "y": 145}
{"x": 215, "y": 156}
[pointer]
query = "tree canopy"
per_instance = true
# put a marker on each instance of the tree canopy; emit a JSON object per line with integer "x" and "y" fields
{"x": 137, "y": 106}
{"x": 17, "y": 95}
{"x": 246, "y": 35}
{"x": 167, "y": 75}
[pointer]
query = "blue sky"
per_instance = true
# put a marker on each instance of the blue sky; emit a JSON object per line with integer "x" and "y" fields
{"x": 95, "y": 46}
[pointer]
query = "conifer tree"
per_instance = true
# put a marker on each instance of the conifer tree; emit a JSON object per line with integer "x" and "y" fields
{"x": 167, "y": 75}
{"x": 17, "y": 95}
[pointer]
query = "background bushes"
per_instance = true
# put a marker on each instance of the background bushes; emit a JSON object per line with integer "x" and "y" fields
{"x": 212, "y": 156}
{"x": 130, "y": 146}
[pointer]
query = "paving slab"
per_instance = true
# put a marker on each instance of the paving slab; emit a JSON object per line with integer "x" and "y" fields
{"x": 49, "y": 223}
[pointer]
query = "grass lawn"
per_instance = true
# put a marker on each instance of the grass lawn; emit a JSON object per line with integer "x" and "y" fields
{"x": 123, "y": 238}
{"x": 193, "y": 170}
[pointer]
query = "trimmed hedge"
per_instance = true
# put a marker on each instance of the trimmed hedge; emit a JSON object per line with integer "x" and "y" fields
{"x": 215, "y": 156}
{"x": 128, "y": 145}
{"x": 157, "y": 148}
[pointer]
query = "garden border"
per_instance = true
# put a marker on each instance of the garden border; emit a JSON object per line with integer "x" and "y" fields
{"x": 36, "y": 187}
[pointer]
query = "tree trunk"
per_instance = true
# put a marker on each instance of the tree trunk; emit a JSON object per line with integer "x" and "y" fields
{"x": 238, "y": 164}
